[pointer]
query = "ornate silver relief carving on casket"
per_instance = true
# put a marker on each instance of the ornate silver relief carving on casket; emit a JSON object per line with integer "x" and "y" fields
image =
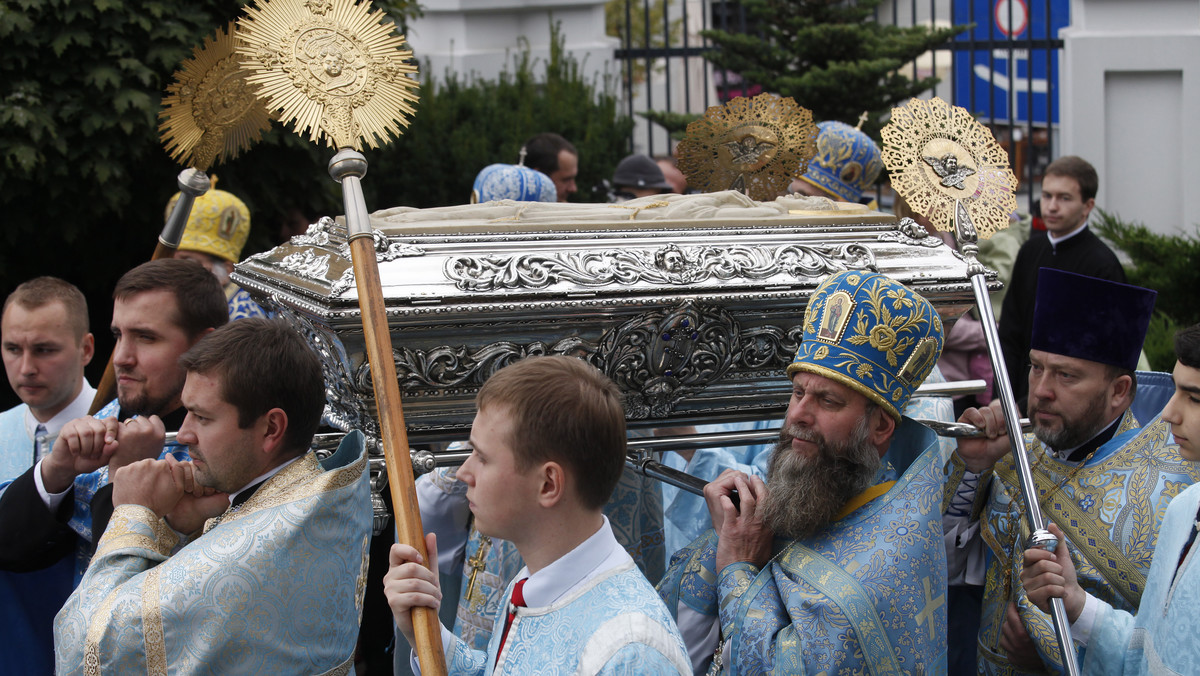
{"x": 693, "y": 308}
{"x": 669, "y": 265}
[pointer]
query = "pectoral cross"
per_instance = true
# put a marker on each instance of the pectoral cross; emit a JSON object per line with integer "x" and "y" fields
{"x": 931, "y": 606}
{"x": 476, "y": 563}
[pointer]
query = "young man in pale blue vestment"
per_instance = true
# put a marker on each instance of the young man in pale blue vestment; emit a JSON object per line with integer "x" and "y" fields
{"x": 1100, "y": 459}
{"x": 251, "y": 557}
{"x": 1164, "y": 636}
{"x": 46, "y": 344}
{"x": 835, "y": 564}
{"x": 548, "y": 447}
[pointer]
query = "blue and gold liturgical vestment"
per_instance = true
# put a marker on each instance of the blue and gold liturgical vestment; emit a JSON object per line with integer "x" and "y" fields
{"x": 865, "y": 595}
{"x": 1109, "y": 507}
{"x": 273, "y": 586}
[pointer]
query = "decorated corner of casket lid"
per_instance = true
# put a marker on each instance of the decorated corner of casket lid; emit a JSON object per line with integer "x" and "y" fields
{"x": 692, "y": 303}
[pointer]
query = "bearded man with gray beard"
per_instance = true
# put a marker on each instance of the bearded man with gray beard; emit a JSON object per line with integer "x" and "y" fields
{"x": 836, "y": 563}
{"x": 1101, "y": 457}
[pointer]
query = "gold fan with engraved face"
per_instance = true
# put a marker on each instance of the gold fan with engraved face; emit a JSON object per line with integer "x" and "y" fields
{"x": 209, "y": 113}
{"x": 756, "y": 146}
{"x": 338, "y": 73}
{"x": 333, "y": 68}
{"x": 939, "y": 155}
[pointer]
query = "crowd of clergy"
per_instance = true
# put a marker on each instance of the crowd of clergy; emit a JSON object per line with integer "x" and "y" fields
{"x": 186, "y": 526}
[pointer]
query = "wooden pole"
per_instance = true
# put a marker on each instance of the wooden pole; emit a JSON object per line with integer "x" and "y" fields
{"x": 348, "y": 167}
{"x": 192, "y": 184}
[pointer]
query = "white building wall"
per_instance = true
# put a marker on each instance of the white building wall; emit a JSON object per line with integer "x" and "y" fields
{"x": 485, "y": 36}
{"x": 1130, "y": 97}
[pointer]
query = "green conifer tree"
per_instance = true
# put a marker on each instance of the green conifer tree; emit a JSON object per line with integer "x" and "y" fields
{"x": 831, "y": 56}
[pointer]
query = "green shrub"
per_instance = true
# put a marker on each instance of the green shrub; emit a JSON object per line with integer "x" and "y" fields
{"x": 1169, "y": 264}
{"x": 464, "y": 123}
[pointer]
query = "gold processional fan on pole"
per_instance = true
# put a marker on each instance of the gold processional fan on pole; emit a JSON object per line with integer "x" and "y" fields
{"x": 950, "y": 169}
{"x": 938, "y": 156}
{"x": 333, "y": 69}
{"x": 338, "y": 73}
{"x": 755, "y": 146}
{"x": 209, "y": 114}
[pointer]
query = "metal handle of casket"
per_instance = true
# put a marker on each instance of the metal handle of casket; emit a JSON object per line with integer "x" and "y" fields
{"x": 1040, "y": 537}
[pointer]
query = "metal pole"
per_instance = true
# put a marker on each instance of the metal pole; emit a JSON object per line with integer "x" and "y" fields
{"x": 1040, "y": 538}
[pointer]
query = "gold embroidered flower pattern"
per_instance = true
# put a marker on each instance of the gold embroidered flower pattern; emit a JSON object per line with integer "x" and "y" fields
{"x": 883, "y": 338}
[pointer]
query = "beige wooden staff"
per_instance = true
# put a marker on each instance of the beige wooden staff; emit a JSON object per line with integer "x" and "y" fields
{"x": 337, "y": 72}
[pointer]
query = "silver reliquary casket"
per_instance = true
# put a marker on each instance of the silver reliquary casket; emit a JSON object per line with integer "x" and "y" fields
{"x": 692, "y": 304}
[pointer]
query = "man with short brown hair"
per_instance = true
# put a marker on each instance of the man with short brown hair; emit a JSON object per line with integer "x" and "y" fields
{"x": 46, "y": 344}
{"x": 1068, "y": 196}
{"x": 555, "y": 157}
{"x": 160, "y": 309}
{"x": 548, "y": 447}
{"x": 274, "y": 542}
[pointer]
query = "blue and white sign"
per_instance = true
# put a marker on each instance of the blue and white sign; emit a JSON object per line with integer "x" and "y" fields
{"x": 1001, "y": 85}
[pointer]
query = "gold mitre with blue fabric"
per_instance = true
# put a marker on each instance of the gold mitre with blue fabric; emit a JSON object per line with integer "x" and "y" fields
{"x": 870, "y": 333}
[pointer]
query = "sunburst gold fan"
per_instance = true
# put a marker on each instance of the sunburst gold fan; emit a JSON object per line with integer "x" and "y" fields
{"x": 939, "y": 155}
{"x": 335, "y": 69}
{"x": 338, "y": 73}
{"x": 209, "y": 113}
{"x": 756, "y": 146}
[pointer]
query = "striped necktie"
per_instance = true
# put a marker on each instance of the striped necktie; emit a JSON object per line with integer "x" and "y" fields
{"x": 40, "y": 449}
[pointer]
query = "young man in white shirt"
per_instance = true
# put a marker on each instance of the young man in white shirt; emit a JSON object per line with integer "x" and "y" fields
{"x": 548, "y": 447}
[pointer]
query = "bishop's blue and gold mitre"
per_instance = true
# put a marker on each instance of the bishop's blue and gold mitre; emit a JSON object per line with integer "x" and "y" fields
{"x": 847, "y": 161}
{"x": 872, "y": 334}
{"x": 512, "y": 182}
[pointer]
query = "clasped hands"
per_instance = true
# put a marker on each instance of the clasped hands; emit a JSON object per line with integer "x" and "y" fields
{"x": 170, "y": 489}
{"x": 86, "y": 444}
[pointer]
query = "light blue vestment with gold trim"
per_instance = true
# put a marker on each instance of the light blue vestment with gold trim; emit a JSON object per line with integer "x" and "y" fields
{"x": 634, "y": 512}
{"x": 274, "y": 586}
{"x": 615, "y": 624}
{"x": 1164, "y": 637}
{"x": 865, "y": 595}
{"x": 1109, "y": 508}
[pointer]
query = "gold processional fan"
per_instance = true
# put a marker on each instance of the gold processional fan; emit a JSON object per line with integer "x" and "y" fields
{"x": 210, "y": 113}
{"x": 938, "y": 156}
{"x": 755, "y": 146}
{"x": 950, "y": 169}
{"x": 338, "y": 73}
{"x": 333, "y": 69}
